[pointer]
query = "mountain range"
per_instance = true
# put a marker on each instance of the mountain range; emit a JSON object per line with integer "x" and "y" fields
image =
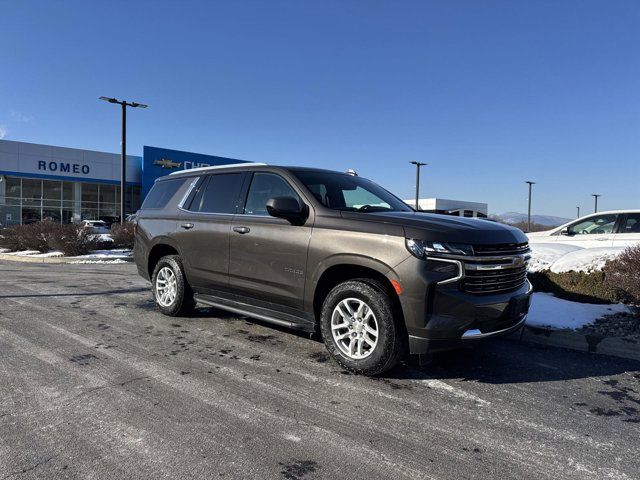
{"x": 516, "y": 217}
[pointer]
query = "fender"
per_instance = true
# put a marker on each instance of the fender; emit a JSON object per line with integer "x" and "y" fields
{"x": 311, "y": 281}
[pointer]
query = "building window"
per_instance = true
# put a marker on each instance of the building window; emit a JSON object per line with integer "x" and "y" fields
{"x": 27, "y": 200}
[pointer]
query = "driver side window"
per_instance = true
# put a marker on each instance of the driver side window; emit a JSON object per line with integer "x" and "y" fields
{"x": 263, "y": 187}
{"x": 598, "y": 224}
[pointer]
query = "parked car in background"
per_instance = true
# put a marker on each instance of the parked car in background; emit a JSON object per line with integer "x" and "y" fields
{"x": 618, "y": 228}
{"x": 319, "y": 250}
{"x": 96, "y": 226}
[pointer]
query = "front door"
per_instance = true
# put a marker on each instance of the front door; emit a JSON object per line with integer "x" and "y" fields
{"x": 268, "y": 256}
{"x": 594, "y": 231}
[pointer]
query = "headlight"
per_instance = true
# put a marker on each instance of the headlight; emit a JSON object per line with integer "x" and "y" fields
{"x": 424, "y": 248}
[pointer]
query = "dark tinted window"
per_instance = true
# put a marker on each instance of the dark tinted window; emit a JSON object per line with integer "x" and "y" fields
{"x": 632, "y": 224}
{"x": 218, "y": 194}
{"x": 341, "y": 191}
{"x": 263, "y": 187}
{"x": 162, "y": 192}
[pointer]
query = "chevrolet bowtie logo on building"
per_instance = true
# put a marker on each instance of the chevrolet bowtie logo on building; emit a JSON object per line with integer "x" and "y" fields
{"x": 166, "y": 163}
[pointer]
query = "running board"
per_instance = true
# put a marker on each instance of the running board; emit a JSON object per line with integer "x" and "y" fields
{"x": 250, "y": 311}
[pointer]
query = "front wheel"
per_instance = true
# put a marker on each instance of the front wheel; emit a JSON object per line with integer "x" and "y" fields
{"x": 359, "y": 327}
{"x": 171, "y": 292}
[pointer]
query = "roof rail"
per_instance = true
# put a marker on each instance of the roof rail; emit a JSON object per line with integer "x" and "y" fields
{"x": 218, "y": 167}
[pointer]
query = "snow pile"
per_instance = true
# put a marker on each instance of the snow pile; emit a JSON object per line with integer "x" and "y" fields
{"x": 543, "y": 255}
{"x": 549, "y": 311}
{"x": 586, "y": 260}
{"x": 117, "y": 260}
{"x": 35, "y": 253}
{"x": 107, "y": 254}
{"x": 117, "y": 255}
{"x": 560, "y": 258}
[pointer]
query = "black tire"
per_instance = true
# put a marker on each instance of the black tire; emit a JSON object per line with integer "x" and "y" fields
{"x": 392, "y": 341}
{"x": 184, "y": 303}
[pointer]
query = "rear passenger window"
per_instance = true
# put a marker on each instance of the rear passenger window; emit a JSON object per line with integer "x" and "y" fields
{"x": 632, "y": 223}
{"x": 218, "y": 194}
{"x": 162, "y": 192}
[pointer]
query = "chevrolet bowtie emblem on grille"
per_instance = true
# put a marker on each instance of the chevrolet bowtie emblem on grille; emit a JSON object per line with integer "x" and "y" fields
{"x": 166, "y": 163}
{"x": 518, "y": 261}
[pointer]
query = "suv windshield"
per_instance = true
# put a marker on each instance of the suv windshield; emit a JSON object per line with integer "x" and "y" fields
{"x": 341, "y": 191}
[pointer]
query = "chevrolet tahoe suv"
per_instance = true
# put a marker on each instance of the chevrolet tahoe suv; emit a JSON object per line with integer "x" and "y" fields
{"x": 313, "y": 249}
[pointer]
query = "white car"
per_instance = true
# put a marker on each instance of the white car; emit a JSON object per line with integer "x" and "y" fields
{"x": 96, "y": 226}
{"x": 618, "y": 228}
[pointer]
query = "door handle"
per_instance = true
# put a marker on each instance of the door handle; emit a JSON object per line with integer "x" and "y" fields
{"x": 241, "y": 230}
{"x": 187, "y": 226}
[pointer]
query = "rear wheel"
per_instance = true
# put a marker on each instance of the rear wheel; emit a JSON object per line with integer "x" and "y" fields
{"x": 359, "y": 327}
{"x": 171, "y": 292}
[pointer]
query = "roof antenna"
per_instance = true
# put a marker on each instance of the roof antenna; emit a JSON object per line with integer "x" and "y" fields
{"x": 352, "y": 172}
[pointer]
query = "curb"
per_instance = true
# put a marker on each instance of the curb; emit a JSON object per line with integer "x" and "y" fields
{"x": 616, "y": 346}
{"x": 26, "y": 259}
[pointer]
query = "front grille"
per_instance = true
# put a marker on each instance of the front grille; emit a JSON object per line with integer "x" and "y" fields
{"x": 501, "y": 249}
{"x": 496, "y": 268}
{"x": 492, "y": 281}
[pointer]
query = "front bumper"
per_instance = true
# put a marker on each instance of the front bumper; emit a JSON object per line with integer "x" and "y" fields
{"x": 441, "y": 316}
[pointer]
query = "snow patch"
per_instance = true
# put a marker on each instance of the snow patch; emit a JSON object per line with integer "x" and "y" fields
{"x": 585, "y": 260}
{"x": 543, "y": 255}
{"x": 549, "y": 311}
{"x": 559, "y": 257}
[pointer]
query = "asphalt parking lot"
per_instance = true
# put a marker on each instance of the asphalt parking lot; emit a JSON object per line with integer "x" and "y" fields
{"x": 96, "y": 384}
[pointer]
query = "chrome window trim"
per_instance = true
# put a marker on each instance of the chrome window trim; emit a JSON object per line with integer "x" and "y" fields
{"x": 186, "y": 195}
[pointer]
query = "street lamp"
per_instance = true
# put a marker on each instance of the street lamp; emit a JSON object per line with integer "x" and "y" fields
{"x": 418, "y": 165}
{"x": 123, "y": 161}
{"x": 595, "y": 196}
{"x": 531, "y": 184}
{"x": 578, "y": 212}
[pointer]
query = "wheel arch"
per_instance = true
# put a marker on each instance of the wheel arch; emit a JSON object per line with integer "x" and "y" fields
{"x": 350, "y": 270}
{"x": 161, "y": 248}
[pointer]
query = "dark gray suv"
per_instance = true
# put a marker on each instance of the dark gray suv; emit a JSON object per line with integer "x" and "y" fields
{"x": 320, "y": 250}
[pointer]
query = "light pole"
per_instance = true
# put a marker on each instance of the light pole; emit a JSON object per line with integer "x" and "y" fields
{"x": 123, "y": 162}
{"x": 595, "y": 196}
{"x": 531, "y": 184}
{"x": 418, "y": 165}
{"x": 578, "y": 212}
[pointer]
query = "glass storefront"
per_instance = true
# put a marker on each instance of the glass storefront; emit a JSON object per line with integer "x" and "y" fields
{"x": 28, "y": 200}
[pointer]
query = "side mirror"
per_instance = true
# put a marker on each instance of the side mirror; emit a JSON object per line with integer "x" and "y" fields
{"x": 288, "y": 208}
{"x": 565, "y": 232}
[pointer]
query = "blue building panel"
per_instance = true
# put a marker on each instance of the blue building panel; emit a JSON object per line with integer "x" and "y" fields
{"x": 158, "y": 162}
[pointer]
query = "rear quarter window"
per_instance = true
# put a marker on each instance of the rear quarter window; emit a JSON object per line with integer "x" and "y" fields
{"x": 162, "y": 192}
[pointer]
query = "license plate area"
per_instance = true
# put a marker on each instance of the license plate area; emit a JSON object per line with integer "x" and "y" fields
{"x": 519, "y": 305}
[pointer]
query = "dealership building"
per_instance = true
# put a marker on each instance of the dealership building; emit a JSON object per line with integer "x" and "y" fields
{"x": 63, "y": 184}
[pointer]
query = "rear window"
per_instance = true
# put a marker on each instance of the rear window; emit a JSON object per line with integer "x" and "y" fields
{"x": 162, "y": 192}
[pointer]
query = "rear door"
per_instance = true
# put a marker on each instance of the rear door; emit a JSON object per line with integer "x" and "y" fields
{"x": 268, "y": 256}
{"x": 629, "y": 232}
{"x": 203, "y": 232}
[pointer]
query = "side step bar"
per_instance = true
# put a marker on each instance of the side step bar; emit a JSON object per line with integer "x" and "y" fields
{"x": 248, "y": 311}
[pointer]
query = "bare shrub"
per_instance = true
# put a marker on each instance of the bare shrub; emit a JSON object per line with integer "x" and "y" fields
{"x": 123, "y": 235}
{"x": 72, "y": 239}
{"x": 33, "y": 236}
{"x": 622, "y": 274}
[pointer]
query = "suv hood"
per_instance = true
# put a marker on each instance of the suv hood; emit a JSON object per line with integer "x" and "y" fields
{"x": 445, "y": 228}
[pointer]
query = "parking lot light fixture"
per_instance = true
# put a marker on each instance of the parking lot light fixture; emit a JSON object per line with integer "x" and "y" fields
{"x": 531, "y": 184}
{"x": 123, "y": 162}
{"x": 595, "y": 196}
{"x": 418, "y": 165}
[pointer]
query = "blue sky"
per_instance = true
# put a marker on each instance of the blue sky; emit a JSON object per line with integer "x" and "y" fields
{"x": 489, "y": 93}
